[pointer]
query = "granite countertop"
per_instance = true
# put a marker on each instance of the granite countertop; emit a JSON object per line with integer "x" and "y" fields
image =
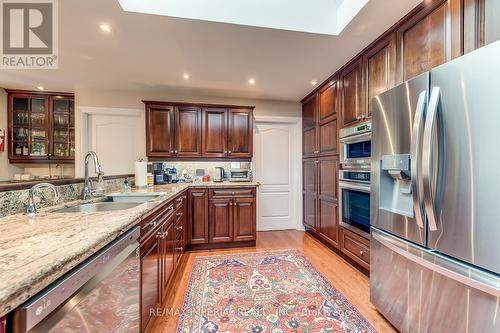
{"x": 36, "y": 251}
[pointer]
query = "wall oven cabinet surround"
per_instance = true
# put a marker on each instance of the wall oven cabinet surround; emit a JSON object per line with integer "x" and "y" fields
{"x": 198, "y": 131}
{"x": 41, "y": 127}
{"x": 222, "y": 217}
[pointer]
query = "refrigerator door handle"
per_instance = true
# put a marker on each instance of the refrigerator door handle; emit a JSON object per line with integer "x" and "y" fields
{"x": 416, "y": 154}
{"x": 430, "y": 124}
{"x": 489, "y": 288}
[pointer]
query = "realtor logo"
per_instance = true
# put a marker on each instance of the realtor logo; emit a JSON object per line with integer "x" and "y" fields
{"x": 29, "y": 34}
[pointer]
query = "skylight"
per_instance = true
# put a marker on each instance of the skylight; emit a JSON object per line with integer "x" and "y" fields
{"x": 313, "y": 16}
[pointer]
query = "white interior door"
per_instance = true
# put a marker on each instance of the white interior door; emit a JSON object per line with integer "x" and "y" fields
{"x": 118, "y": 141}
{"x": 276, "y": 161}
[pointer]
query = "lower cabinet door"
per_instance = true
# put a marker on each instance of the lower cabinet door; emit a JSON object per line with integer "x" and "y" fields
{"x": 150, "y": 277}
{"x": 168, "y": 256}
{"x": 220, "y": 225}
{"x": 310, "y": 201}
{"x": 244, "y": 219}
{"x": 198, "y": 216}
{"x": 328, "y": 221}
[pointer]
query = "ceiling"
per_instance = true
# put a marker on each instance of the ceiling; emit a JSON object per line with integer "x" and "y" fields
{"x": 144, "y": 52}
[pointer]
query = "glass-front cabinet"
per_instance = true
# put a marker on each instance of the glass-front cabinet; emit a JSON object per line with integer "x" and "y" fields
{"x": 41, "y": 127}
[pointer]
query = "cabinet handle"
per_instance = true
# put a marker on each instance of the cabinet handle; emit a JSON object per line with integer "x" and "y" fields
{"x": 316, "y": 162}
{"x": 151, "y": 224}
{"x": 172, "y": 151}
{"x": 316, "y": 151}
{"x": 160, "y": 235}
{"x": 361, "y": 253}
{"x": 179, "y": 248}
{"x": 229, "y": 152}
{"x": 225, "y": 151}
{"x": 179, "y": 228}
{"x": 179, "y": 214}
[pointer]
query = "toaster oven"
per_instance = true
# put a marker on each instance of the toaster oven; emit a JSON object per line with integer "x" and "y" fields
{"x": 240, "y": 175}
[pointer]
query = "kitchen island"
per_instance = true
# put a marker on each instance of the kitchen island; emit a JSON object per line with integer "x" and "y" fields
{"x": 36, "y": 251}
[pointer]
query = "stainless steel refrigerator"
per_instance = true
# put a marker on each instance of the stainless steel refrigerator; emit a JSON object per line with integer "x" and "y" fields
{"x": 435, "y": 198}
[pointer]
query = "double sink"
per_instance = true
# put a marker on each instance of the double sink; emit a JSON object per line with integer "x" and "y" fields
{"x": 111, "y": 203}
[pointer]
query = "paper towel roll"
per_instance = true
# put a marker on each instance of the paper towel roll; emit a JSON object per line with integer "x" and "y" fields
{"x": 141, "y": 170}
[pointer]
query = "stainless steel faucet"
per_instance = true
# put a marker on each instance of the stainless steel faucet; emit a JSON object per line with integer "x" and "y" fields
{"x": 31, "y": 207}
{"x": 88, "y": 192}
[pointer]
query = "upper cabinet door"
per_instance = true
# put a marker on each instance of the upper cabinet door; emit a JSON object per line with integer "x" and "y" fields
{"x": 481, "y": 24}
{"x": 379, "y": 65}
{"x": 310, "y": 113}
{"x": 188, "y": 131}
{"x": 214, "y": 137}
{"x": 240, "y": 134}
{"x": 429, "y": 39}
{"x": 310, "y": 124}
{"x": 160, "y": 131}
{"x": 351, "y": 102}
{"x": 328, "y": 101}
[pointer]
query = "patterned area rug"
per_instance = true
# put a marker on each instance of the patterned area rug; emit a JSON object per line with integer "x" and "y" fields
{"x": 272, "y": 292}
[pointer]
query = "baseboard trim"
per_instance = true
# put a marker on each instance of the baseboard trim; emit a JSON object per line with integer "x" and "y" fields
{"x": 216, "y": 246}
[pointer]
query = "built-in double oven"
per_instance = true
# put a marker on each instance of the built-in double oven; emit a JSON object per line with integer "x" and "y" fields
{"x": 354, "y": 178}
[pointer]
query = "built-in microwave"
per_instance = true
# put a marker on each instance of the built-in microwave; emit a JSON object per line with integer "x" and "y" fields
{"x": 355, "y": 145}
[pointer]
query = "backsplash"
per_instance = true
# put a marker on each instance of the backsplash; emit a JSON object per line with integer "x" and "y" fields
{"x": 14, "y": 202}
{"x": 209, "y": 167}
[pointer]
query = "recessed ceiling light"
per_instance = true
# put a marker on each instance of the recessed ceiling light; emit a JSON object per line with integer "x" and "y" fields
{"x": 186, "y": 76}
{"x": 251, "y": 81}
{"x": 105, "y": 27}
{"x": 314, "y": 82}
{"x": 40, "y": 88}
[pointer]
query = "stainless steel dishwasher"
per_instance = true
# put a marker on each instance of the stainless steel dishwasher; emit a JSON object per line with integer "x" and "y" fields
{"x": 99, "y": 295}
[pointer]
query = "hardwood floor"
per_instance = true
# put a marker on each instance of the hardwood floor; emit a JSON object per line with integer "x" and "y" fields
{"x": 353, "y": 284}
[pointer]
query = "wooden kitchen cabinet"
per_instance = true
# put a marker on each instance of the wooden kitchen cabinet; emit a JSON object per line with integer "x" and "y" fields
{"x": 244, "y": 219}
{"x": 240, "y": 133}
{"x": 187, "y": 131}
{"x": 220, "y": 220}
{"x": 167, "y": 246}
{"x": 429, "y": 38}
{"x": 198, "y": 216}
{"x": 328, "y": 168}
{"x": 379, "y": 70}
{"x": 41, "y": 127}
{"x": 328, "y": 101}
{"x": 161, "y": 245}
{"x": 3, "y": 325}
{"x": 160, "y": 139}
{"x": 351, "y": 110}
{"x": 310, "y": 191}
{"x": 310, "y": 127}
{"x": 150, "y": 266}
{"x": 231, "y": 217}
{"x": 355, "y": 247}
{"x": 198, "y": 131}
{"x": 214, "y": 132}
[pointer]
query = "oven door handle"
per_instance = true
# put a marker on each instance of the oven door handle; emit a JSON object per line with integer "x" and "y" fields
{"x": 355, "y": 187}
{"x": 356, "y": 138}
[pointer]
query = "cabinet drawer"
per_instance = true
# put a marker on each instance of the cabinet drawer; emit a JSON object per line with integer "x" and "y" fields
{"x": 355, "y": 247}
{"x": 180, "y": 201}
{"x": 179, "y": 225}
{"x": 155, "y": 219}
{"x": 232, "y": 192}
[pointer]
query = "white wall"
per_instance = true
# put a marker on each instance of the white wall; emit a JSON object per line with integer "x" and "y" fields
{"x": 120, "y": 99}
